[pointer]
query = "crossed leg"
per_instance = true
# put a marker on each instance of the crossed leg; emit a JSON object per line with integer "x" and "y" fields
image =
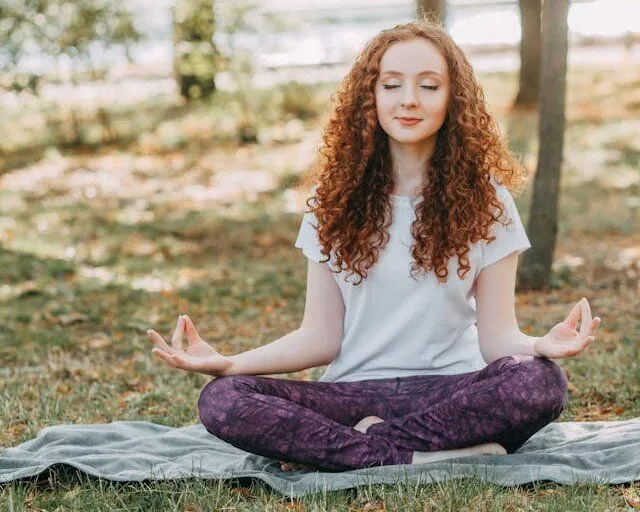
{"x": 312, "y": 422}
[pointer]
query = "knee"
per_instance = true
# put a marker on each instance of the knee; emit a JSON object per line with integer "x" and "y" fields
{"x": 546, "y": 384}
{"x": 213, "y": 404}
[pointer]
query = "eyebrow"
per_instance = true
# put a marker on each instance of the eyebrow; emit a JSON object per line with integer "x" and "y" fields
{"x": 426, "y": 72}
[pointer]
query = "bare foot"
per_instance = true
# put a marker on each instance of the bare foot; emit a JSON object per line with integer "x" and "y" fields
{"x": 296, "y": 466}
{"x": 361, "y": 426}
{"x": 480, "y": 449}
{"x": 366, "y": 422}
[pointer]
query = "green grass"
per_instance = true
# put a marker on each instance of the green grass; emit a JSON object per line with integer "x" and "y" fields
{"x": 74, "y": 491}
{"x": 85, "y": 274}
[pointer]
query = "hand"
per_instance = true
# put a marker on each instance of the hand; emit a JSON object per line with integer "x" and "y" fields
{"x": 564, "y": 340}
{"x": 199, "y": 355}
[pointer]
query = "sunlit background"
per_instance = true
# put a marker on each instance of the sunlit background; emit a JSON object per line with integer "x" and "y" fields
{"x": 124, "y": 202}
{"x": 301, "y": 40}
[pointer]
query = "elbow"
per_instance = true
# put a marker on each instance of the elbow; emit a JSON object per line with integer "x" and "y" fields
{"x": 487, "y": 355}
{"x": 485, "y": 352}
{"x": 334, "y": 344}
{"x": 486, "y": 343}
{"x": 324, "y": 343}
{"x": 329, "y": 359}
{"x": 496, "y": 344}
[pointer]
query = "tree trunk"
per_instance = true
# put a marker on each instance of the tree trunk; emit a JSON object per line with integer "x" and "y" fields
{"x": 535, "y": 272}
{"x": 194, "y": 58}
{"x": 530, "y": 15}
{"x": 436, "y": 8}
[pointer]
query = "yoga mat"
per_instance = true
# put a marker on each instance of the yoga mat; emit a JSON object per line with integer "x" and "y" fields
{"x": 565, "y": 452}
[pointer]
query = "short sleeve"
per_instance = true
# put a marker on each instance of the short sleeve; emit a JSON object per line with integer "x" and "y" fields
{"x": 308, "y": 238}
{"x": 510, "y": 238}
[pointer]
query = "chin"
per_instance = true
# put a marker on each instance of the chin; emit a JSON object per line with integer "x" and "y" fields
{"x": 404, "y": 139}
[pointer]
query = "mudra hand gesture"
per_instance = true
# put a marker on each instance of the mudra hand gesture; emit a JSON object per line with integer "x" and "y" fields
{"x": 564, "y": 340}
{"x": 199, "y": 356}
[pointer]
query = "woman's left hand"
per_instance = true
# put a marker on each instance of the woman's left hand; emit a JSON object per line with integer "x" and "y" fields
{"x": 564, "y": 340}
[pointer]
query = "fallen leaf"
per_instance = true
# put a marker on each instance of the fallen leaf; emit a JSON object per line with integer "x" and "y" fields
{"x": 291, "y": 505}
{"x": 632, "y": 497}
{"x": 64, "y": 389}
{"x": 17, "y": 429}
{"x": 244, "y": 492}
{"x": 374, "y": 506}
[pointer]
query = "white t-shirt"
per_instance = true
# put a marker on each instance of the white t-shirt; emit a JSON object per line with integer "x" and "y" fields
{"x": 395, "y": 326}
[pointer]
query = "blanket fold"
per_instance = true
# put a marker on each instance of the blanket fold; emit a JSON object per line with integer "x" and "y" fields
{"x": 564, "y": 452}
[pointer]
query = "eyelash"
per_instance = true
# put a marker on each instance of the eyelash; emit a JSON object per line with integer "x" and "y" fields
{"x": 428, "y": 87}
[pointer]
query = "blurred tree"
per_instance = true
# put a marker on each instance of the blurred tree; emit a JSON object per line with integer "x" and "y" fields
{"x": 530, "y": 16}
{"x": 194, "y": 50}
{"x": 535, "y": 271}
{"x": 58, "y": 29}
{"x": 62, "y": 30}
{"x": 242, "y": 16}
{"x": 435, "y": 7}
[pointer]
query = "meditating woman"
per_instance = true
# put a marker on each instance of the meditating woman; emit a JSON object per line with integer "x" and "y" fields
{"x": 412, "y": 239}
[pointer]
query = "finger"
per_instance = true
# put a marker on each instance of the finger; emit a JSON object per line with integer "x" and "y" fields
{"x": 574, "y": 315}
{"x": 585, "y": 321}
{"x": 577, "y": 345}
{"x": 159, "y": 341}
{"x": 192, "y": 334}
{"x": 168, "y": 358}
{"x": 176, "y": 360}
{"x": 176, "y": 339}
{"x": 586, "y": 342}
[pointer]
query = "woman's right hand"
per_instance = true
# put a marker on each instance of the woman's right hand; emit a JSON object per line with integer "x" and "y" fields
{"x": 199, "y": 356}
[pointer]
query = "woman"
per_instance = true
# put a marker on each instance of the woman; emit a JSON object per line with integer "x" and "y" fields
{"x": 410, "y": 286}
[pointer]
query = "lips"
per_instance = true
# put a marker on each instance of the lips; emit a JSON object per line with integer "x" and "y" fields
{"x": 408, "y": 121}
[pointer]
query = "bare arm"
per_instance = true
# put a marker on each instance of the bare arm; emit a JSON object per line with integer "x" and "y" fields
{"x": 498, "y": 332}
{"x": 316, "y": 342}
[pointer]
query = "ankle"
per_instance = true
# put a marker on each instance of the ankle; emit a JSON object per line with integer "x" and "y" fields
{"x": 365, "y": 423}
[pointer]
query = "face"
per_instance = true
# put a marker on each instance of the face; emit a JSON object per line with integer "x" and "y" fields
{"x": 412, "y": 92}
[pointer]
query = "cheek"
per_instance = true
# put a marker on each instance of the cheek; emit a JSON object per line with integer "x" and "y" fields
{"x": 444, "y": 105}
{"x": 438, "y": 109}
{"x": 384, "y": 107}
{"x": 385, "y": 115}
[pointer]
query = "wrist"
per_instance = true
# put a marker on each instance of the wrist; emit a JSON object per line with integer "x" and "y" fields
{"x": 534, "y": 347}
{"x": 229, "y": 369}
{"x": 528, "y": 345}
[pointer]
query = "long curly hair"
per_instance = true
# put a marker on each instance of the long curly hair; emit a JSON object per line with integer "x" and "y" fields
{"x": 353, "y": 180}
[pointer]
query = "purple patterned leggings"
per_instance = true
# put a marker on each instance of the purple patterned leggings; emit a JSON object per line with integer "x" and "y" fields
{"x": 312, "y": 422}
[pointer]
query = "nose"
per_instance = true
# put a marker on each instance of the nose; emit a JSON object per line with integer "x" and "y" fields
{"x": 409, "y": 98}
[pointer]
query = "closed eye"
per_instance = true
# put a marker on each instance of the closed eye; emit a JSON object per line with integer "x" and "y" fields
{"x": 428, "y": 87}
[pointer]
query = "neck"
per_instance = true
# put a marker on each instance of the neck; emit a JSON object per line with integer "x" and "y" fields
{"x": 409, "y": 165}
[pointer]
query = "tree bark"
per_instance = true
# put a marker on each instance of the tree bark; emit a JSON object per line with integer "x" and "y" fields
{"x": 530, "y": 20}
{"x": 535, "y": 271}
{"x": 194, "y": 59}
{"x": 436, "y": 8}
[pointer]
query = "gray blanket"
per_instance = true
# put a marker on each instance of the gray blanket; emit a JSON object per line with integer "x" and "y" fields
{"x": 566, "y": 452}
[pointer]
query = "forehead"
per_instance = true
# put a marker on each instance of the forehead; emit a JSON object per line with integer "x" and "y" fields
{"x": 413, "y": 57}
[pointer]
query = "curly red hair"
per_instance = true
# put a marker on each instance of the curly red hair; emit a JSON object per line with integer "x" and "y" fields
{"x": 353, "y": 182}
